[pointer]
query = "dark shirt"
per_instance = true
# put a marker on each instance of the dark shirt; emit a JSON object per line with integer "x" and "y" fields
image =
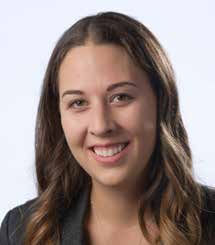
{"x": 12, "y": 228}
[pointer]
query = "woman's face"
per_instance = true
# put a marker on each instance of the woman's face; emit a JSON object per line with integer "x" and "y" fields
{"x": 106, "y": 100}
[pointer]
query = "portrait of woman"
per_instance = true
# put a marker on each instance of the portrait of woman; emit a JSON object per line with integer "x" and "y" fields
{"x": 112, "y": 155}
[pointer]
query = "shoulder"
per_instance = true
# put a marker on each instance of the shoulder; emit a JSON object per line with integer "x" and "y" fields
{"x": 208, "y": 198}
{"x": 208, "y": 213}
{"x": 13, "y": 223}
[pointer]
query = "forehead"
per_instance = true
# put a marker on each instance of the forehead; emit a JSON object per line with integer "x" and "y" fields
{"x": 97, "y": 64}
{"x": 96, "y": 56}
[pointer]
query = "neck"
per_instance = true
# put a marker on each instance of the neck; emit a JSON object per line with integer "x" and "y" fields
{"x": 115, "y": 207}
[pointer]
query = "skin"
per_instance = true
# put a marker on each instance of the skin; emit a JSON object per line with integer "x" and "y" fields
{"x": 92, "y": 69}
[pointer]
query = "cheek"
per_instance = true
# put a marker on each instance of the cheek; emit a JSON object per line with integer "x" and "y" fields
{"x": 73, "y": 130}
{"x": 143, "y": 124}
{"x": 74, "y": 134}
{"x": 140, "y": 119}
{"x": 148, "y": 134}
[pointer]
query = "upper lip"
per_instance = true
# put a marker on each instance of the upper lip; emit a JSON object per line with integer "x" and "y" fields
{"x": 107, "y": 144}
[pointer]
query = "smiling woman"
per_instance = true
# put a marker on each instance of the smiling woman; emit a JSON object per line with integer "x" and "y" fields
{"x": 105, "y": 122}
{"x": 112, "y": 155}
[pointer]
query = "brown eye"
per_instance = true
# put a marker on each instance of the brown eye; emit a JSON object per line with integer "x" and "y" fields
{"x": 76, "y": 104}
{"x": 122, "y": 97}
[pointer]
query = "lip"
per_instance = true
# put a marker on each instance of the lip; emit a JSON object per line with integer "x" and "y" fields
{"x": 111, "y": 160}
{"x": 107, "y": 144}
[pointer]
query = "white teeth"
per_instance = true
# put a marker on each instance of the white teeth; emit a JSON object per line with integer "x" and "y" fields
{"x": 109, "y": 151}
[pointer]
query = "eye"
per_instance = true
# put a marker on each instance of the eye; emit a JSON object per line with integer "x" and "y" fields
{"x": 122, "y": 97}
{"x": 76, "y": 104}
{"x": 79, "y": 103}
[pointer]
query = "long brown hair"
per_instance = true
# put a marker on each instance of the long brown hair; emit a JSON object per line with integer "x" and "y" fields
{"x": 170, "y": 189}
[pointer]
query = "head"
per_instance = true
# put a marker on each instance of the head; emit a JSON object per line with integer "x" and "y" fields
{"x": 111, "y": 48}
{"x": 133, "y": 47}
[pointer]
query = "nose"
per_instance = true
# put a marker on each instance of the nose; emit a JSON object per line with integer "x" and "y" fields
{"x": 101, "y": 122}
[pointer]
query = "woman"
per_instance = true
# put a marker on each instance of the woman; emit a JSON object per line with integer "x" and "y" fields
{"x": 112, "y": 155}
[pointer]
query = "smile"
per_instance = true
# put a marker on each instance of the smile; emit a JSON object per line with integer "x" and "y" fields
{"x": 110, "y": 154}
{"x": 109, "y": 151}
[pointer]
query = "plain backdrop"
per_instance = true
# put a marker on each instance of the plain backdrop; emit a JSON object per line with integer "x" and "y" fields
{"x": 28, "y": 32}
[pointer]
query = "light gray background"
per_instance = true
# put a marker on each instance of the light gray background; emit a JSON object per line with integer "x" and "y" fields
{"x": 28, "y": 33}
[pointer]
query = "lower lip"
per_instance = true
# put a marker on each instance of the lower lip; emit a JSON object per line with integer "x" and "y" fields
{"x": 111, "y": 159}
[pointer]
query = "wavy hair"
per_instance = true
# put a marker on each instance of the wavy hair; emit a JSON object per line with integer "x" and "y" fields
{"x": 170, "y": 189}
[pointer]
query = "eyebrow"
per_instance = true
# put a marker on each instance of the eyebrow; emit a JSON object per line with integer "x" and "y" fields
{"x": 110, "y": 88}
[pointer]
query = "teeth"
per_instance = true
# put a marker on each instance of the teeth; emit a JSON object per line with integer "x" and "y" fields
{"x": 110, "y": 151}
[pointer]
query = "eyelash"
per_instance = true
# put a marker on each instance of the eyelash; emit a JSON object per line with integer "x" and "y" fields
{"x": 71, "y": 105}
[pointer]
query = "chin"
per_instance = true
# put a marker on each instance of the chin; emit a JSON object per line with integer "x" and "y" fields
{"x": 110, "y": 181}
